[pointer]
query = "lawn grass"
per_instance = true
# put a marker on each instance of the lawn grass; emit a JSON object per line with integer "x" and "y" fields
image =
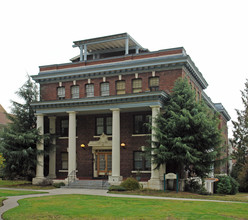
{"x": 5, "y": 192}
{"x": 239, "y": 197}
{"x": 100, "y": 207}
{"x": 22, "y": 184}
{"x": 5, "y": 183}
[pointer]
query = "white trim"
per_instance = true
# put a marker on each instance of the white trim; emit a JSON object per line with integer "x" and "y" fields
{"x": 139, "y": 135}
{"x": 63, "y": 138}
{"x": 65, "y": 171}
{"x": 109, "y": 136}
{"x": 141, "y": 171}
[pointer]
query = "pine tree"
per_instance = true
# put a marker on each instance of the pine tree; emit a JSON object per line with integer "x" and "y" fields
{"x": 240, "y": 135}
{"x": 19, "y": 139}
{"x": 187, "y": 133}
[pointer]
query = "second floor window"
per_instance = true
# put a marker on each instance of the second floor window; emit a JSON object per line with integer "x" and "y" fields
{"x": 104, "y": 125}
{"x": 89, "y": 90}
{"x": 105, "y": 89}
{"x": 120, "y": 87}
{"x": 64, "y": 129}
{"x": 154, "y": 83}
{"x": 75, "y": 92}
{"x": 137, "y": 85}
{"x": 61, "y": 92}
{"x": 140, "y": 124}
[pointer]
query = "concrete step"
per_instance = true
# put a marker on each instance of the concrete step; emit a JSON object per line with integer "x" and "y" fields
{"x": 89, "y": 184}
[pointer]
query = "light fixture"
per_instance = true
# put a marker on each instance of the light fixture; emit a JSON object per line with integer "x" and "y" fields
{"x": 123, "y": 145}
{"x": 83, "y": 146}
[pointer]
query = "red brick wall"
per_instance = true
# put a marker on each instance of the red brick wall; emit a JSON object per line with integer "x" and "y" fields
{"x": 85, "y": 133}
{"x": 166, "y": 82}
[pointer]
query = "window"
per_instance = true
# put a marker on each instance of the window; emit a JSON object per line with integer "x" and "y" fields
{"x": 137, "y": 85}
{"x": 61, "y": 92}
{"x": 64, "y": 160}
{"x": 141, "y": 162}
{"x": 104, "y": 125}
{"x": 139, "y": 124}
{"x": 105, "y": 89}
{"x": 154, "y": 83}
{"x": 89, "y": 90}
{"x": 120, "y": 87}
{"x": 75, "y": 92}
{"x": 64, "y": 128}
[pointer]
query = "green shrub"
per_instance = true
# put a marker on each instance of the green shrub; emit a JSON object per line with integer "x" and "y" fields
{"x": 192, "y": 185}
{"x": 58, "y": 185}
{"x": 116, "y": 188}
{"x": 203, "y": 191}
{"x": 130, "y": 184}
{"x": 226, "y": 185}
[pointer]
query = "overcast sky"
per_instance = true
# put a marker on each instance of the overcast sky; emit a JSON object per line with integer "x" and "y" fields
{"x": 213, "y": 32}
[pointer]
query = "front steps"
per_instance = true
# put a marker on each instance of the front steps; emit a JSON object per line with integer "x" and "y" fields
{"x": 89, "y": 184}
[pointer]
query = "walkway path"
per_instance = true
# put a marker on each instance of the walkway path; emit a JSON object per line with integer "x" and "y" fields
{"x": 12, "y": 201}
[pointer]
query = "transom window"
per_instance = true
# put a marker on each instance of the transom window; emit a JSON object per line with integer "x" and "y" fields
{"x": 140, "y": 124}
{"x": 105, "y": 89}
{"x": 104, "y": 125}
{"x": 154, "y": 83}
{"x": 141, "y": 162}
{"x": 137, "y": 85}
{"x": 61, "y": 92}
{"x": 89, "y": 90}
{"x": 75, "y": 92}
{"x": 120, "y": 87}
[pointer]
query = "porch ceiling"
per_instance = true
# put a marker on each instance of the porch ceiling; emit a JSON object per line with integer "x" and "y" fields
{"x": 107, "y": 42}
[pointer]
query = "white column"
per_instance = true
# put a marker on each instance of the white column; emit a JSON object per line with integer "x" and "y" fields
{"x": 137, "y": 50}
{"x": 115, "y": 178}
{"x": 127, "y": 46}
{"x": 85, "y": 52}
{"x": 81, "y": 52}
{"x": 72, "y": 145}
{"x": 52, "y": 153}
{"x": 40, "y": 146}
{"x": 154, "y": 182}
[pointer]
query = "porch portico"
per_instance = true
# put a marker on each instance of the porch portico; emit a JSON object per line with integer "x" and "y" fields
{"x": 112, "y": 146}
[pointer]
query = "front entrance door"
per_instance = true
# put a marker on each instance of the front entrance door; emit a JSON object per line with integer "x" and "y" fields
{"x": 104, "y": 163}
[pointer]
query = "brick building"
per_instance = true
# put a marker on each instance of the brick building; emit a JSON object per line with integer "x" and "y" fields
{"x": 3, "y": 118}
{"x": 97, "y": 105}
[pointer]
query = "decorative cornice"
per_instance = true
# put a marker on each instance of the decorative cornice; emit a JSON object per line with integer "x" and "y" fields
{"x": 122, "y": 68}
{"x": 133, "y": 100}
{"x": 218, "y": 107}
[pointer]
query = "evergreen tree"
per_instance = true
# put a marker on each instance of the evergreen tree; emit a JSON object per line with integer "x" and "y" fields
{"x": 240, "y": 135}
{"x": 19, "y": 139}
{"x": 187, "y": 133}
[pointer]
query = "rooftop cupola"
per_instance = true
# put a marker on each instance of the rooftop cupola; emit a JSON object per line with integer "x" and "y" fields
{"x": 112, "y": 44}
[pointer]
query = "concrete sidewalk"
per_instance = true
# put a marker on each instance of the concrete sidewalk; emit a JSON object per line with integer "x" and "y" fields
{"x": 12, "y": 201}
